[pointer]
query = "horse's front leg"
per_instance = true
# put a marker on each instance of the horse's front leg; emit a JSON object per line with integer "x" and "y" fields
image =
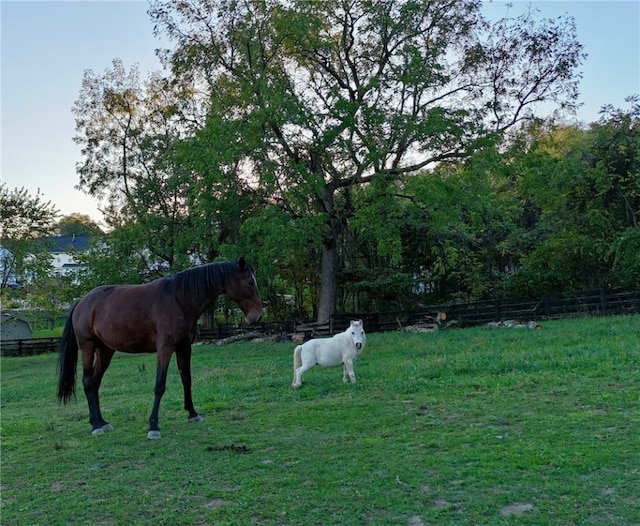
{"x": 161, "y": 384}
{"x": 183, "y": 357}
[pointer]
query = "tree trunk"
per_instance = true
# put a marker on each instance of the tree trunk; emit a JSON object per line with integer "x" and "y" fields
{"x": 329, "y": 262}
{"x": 328, "y": 280}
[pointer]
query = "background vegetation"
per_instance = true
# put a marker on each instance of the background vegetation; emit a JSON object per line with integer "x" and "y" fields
{"x": 473, "y": 426}
{"x": 362, "y": 156}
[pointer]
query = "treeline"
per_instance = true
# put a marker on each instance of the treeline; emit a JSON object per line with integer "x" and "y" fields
{"x": 362, "y": 155}
{"x": 555, "y": 211}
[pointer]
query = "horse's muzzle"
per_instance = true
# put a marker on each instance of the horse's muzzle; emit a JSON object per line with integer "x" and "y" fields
{"x": 252, "y": 318}
{"x": 358, "y": 345}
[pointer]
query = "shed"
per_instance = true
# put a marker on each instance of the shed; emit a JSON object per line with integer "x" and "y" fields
{"x": 12, "y": 328}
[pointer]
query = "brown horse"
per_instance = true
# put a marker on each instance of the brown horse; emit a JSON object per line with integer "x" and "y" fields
{"x": 157, "y": 317}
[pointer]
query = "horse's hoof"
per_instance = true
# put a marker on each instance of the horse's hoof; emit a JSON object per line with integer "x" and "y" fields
{"x": 196, "y": 419}
{"x": 102, "y": 430}
{"x": 153, "y": 435}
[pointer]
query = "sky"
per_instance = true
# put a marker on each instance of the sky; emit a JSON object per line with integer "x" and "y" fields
{"x": 47, "y": 45}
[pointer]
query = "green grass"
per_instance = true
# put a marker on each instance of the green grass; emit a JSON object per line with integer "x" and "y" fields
{"x": 462, "y": 427}
{"x": 48, "y": 333}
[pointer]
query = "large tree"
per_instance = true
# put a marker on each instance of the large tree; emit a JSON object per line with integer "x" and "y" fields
{"x": 320, "y": 97}
{"x": 128, "y": 129}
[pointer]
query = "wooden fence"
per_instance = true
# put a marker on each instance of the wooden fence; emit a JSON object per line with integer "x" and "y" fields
{"x": 221, "y": 331}
{"x": 551, "y": 306}
{"x": 29, "y": 347}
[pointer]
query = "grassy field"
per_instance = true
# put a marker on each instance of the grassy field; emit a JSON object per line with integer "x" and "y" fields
{"x": 461, "y": 427}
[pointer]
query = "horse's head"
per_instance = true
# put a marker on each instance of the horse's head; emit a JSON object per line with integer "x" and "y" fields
{"x": 356, "y": 330}
{"x": 243, "y": 289}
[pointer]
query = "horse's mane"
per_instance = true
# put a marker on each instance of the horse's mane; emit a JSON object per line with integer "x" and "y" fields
{"x": 204, "y": 277}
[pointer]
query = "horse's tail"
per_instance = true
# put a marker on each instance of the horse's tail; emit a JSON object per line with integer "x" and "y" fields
{"x": 297, "y": 358}
{"x": 67, "y": 362}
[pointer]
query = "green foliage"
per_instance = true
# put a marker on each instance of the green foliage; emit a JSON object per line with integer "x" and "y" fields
{"x": 283, "y": 251}
{"x": 626, "y": 258}
{"x": 309, "y": 101}
{"x": 460, "y": 427}
{"x": 379, "y": 153}
{"x": 24, "y": 220}
{"x": 78, "y": 225}
{"x": 581, "y": 190}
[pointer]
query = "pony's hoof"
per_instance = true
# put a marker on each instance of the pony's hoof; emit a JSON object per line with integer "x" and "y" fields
{"x": 153, "y": 435}
{"x": 196, "y": 419}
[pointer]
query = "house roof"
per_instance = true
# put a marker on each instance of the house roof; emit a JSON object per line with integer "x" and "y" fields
{"x": 5, "y": 317}
{"x": 58, "y": 244}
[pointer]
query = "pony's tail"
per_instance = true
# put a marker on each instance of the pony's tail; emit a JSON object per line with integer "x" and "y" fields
{"x": 67, "y": 362}
{"x": 297, "y": 358}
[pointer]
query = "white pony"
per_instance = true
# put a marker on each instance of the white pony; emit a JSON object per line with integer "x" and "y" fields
{"x": 342, "y": 348}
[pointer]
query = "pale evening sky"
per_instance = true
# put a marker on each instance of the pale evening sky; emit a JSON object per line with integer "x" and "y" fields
{"x": 47, "y": 45}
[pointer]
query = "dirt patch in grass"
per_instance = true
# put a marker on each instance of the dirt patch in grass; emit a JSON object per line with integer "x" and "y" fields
{"x": 216, "y": 503}
{"x": 517, "y": 508}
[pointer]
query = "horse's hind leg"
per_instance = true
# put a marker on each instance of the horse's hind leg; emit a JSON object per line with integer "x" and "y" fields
{"x": 95, "y": 362}
{"x": 183, "y": 357}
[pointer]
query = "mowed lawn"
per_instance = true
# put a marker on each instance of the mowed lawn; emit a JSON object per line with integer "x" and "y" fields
{"x": 461, "y": 427}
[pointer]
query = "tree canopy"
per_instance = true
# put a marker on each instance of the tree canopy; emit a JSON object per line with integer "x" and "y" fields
{"x": 24, "y": 220}
{"x": 360, "y": 154}
{"x": 317, "y": 98}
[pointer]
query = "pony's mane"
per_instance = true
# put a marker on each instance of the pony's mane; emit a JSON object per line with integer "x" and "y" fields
{"x": 204, "y": 277}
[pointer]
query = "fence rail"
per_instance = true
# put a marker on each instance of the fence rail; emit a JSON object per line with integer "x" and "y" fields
{"x": 551, "y": 306}
{"x": 28, "y": 347}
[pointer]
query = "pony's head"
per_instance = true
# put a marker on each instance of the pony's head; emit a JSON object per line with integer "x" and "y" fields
{"x": 356, "y": 330}
{"x": 243, "y": 289}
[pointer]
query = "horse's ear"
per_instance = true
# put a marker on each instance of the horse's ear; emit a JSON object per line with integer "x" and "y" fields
{"x": 242, "y": 263}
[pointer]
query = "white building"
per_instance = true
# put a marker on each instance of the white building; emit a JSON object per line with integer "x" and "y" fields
{"x": 62, "y": 248}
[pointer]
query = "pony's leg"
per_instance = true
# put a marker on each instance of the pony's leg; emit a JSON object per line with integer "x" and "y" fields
{"x": 95, "y": 362}
{"x": 348, "y": 371}
{"x": 164, "y": 357}
{"x": 306, "y": 365}
{"x": 183, "y": 357}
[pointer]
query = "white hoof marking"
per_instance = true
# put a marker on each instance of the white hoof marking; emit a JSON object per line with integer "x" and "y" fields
{"x": 101, "y": 430}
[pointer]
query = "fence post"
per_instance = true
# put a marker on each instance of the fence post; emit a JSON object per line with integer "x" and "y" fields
{"x": 603, "y": 301}
{"x": 546, "y": 305}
